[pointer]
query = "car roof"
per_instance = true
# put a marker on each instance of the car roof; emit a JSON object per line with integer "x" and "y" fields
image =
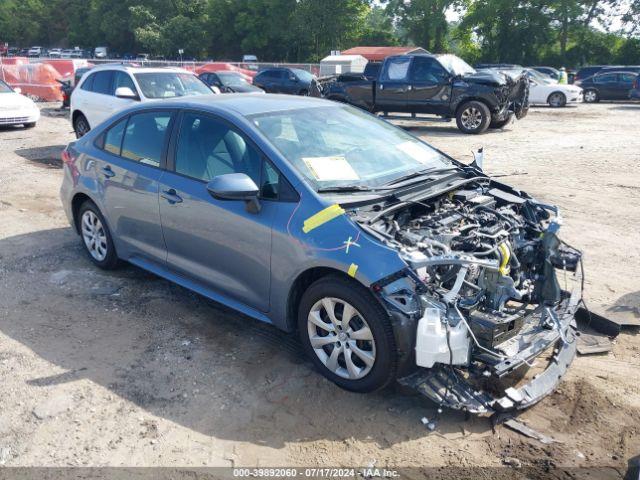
{"x": 607, "y": 72}
{"x": 243, "y": 104}
{"x": 126, "y": 67}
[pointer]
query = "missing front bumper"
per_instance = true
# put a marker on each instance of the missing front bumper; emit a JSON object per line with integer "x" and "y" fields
{"x": 445, "y": 386}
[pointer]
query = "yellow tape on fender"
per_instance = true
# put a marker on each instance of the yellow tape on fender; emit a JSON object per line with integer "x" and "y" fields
{"x": 322, "y": 217}
{"x": 352, "y": 270}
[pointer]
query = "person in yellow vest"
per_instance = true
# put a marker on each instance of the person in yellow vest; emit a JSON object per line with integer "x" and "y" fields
{"x": 564, "y": 78}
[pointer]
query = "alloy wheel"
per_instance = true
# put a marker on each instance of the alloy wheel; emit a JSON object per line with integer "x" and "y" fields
{"x": 341, "y": 338}
{"x": 590, "y": 96}
{"x": 555, "y": 100}
{"x": 471, "y": 118}
{"x": 94, "y": 236}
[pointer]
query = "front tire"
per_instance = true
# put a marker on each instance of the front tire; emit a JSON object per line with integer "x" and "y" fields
{"x": 557, "y": 100}
{"x": 96, "y": 236}
{"x": 591, "y": 96}
{"x": 347, "y": 335}
{"x": 473, "y": 117}
{"x": 30, "y": 125}
{"x": 81, "y": 126}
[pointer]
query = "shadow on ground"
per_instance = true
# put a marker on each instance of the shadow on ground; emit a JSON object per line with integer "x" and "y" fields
{"x": 48, "y": 157}
{"x": 184, "y": 358}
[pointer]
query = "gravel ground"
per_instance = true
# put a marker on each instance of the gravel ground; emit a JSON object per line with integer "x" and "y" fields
{"x": 123, "y": 368}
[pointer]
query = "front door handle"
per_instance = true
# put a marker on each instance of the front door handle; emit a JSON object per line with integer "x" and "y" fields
{"x": 107, "y": 172}
{"x": 171, "y": 196}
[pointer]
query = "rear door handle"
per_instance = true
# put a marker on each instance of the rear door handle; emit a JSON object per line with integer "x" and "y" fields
{"x": 107, "y": 172}
{"x": 171, "y": 196}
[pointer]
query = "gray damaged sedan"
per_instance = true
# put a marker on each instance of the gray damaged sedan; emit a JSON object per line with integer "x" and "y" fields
{"x": 391, "y": 259}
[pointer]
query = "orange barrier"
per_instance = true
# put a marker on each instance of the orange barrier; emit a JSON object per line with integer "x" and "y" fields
{"x": 66, "y": 68}
{"x": 36, "y": 80}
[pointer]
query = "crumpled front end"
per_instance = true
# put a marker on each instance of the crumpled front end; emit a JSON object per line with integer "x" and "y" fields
{"x": 480, "y": 306}
{"x": 513, "y": 97}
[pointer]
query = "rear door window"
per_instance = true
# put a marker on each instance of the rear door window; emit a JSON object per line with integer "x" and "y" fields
{"x": 607, "y": 78}
{"x": 396, "y": 69}
{"x": 145, "y": 136}
{"x": 102, "y": 82}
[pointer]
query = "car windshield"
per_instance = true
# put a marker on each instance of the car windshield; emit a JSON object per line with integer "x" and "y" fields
{"x": 539, "y": 77}
{"x": 171, "y": 84}
{"x": 337, "y": 146}
{"x": 455, "y": 65}
{"x": 232, "y": 80}
{"x": 4, "y": 88}
{"x": 302, "y": 74}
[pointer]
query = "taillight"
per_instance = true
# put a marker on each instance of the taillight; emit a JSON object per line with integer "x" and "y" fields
{"x": 66, "y": 156}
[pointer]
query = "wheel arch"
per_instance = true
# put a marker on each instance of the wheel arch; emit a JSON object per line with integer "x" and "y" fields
{"x": 302, "y": 282}
{"x": 76, "y": 202}
{"x": 473, "y": 98}
{"x": 75, "y": 115}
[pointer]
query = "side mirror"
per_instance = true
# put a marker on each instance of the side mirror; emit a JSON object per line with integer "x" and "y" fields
{"x": 235, "y": 186}
{"x": 215, "y": 89}
{"x": 17, "y": 90}
{"x": 126, "y": 92}
{"x": 293, "y": 78}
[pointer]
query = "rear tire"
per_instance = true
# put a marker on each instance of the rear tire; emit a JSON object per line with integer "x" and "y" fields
{"x": 96, "y": 237}
{"x": 473, "y": 117}
{"x": 359, "y": 355}
{"x": 557, "y": 100}
{"x": 81, "y": 126}
{"x": 591, "y": 96}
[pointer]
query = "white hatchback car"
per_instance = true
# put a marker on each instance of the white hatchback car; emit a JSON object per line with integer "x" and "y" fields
{"x": 16, "y": 109}
{"x": 104, "y": 90}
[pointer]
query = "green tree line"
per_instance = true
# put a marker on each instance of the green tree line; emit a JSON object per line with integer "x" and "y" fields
{"x": 554, "y": 32}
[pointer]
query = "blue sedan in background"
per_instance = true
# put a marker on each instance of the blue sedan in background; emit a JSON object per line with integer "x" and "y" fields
{"x": 389, "y": 258}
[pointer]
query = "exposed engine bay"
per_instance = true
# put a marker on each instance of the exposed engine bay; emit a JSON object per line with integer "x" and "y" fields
{"x": 485, "y": 264}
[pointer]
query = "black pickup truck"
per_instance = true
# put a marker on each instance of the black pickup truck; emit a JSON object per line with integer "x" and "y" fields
{"x": 443, "y": 85}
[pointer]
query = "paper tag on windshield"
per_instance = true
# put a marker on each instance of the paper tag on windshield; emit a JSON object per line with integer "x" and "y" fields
{"x": 330, "y": 168}
{"x": 414, "y": 150}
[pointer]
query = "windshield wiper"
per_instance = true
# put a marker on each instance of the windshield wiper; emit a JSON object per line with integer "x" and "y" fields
{"x": 420, "y": 173}
{"x": 345, "y": 188}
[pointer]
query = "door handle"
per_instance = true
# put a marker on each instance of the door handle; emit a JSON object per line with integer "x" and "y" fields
{"x": 107, "y": 172}
{"x": 171, "y": 196}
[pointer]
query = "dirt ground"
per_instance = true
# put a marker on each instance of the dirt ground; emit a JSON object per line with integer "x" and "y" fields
{"x": 123, "y": 368}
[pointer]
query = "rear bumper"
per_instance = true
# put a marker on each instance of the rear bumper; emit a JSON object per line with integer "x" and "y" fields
{"x": 458, "y": 389}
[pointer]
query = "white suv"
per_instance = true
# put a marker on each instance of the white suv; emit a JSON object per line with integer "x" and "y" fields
{"x": 106, "y": 89}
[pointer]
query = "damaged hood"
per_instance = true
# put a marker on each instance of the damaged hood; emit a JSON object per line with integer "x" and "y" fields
{"x": 487, "y": 77}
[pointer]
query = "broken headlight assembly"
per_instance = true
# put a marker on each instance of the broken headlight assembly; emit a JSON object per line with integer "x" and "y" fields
{"x": 483, "y": 286}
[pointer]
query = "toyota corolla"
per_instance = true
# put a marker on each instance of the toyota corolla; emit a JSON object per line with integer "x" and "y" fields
{"x": 389, "y": 258}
